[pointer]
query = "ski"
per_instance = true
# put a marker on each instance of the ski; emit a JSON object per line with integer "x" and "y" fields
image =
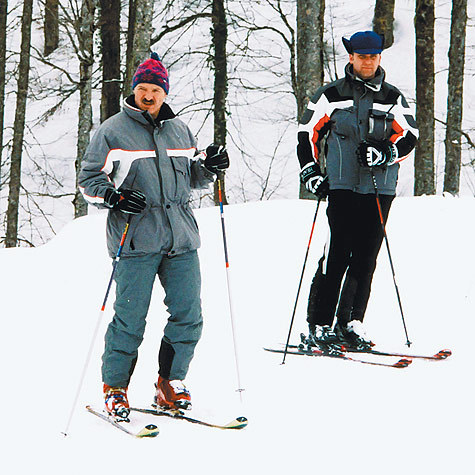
{"x": 401, "y": 363}
{"x": 238, "y": 423}
{"x": 149, "y": 430}
{"x": 440, "y": 355}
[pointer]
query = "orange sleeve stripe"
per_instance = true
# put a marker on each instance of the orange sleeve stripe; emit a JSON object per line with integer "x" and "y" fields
{"x": 399, "y": 132}
{"x": 316, "y": 131}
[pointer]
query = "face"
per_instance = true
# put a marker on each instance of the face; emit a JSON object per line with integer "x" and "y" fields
{"x": 149, "y": 97}
{"x": 365, "y": 65}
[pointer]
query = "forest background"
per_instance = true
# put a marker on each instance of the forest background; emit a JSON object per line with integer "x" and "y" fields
{"x": 241, "y": 73}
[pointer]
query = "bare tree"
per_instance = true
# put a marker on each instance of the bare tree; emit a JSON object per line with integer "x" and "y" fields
{"x": 139, "y": 35}
{"x": 51, "y": 26}
{"x": 310, "y": 26}
{"x": 310, "y": 68}
{"x": 219, "y": 39}
{"x": 110, "y": 54}
{"x": 3, "y": 51}
{"x": 383, "y": 20}
{"x": 453, "y": 137}
{"x": 86, "y": 62}
{"x": 424, "y": 180}
{"x": 11, "y": 237}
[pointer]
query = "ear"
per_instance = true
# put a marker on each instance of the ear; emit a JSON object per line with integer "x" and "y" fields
{"x": 347, "y": 45}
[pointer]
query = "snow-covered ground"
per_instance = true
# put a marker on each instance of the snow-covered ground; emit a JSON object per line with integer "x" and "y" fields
{"x": 311, "y": 415}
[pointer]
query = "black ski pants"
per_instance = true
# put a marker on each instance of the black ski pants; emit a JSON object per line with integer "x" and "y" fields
{"x": 353, "y": 246}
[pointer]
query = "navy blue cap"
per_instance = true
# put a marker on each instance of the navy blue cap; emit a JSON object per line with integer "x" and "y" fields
{"x": 364, "y": 42}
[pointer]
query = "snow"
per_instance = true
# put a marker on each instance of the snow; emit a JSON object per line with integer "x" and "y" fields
{"x": 312, "y": 414}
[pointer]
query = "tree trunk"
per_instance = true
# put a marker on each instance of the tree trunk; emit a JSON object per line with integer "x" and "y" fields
{"x": 310, "y": 26}
{"x": 424, "y": 180}
{"x": 110, "y": 40}
{"x": 3, "y": 51}
{"x": 86, "y": 45}
{"x": 11, "y": 237}
{"x": 383, "y": 20}
{"x": 138, "y": 38}
{"x": 51, "y": 26}
{"x": 219, "y": 39}
{"x": 453, "y": 136}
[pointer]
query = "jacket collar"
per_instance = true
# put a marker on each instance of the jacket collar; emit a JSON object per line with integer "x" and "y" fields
{"x": 372, "y": 84}
{"x": 131, "y": 109}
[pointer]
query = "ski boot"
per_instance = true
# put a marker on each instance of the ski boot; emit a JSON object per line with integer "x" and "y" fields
{"x": 171, "y": 394}
{"x": 323, "y": 338}
{"x": 353, "y": 335}
{"x": 116, "y": 403}
{"x": 321, "y": 334}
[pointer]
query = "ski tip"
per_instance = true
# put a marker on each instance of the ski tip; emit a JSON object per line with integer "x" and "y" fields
{"x": 150, "y": 430}
{"x": 402, "y": 363}
{"x": 442, "y": 354}
{"x": 238, "y": 423}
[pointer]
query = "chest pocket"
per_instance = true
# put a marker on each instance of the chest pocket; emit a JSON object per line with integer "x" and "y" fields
{"x": 182, "y": 175}
{"x": 345, "y": 123}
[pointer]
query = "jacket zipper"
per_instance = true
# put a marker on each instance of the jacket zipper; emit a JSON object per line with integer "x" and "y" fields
{"x": 341, "y": 155}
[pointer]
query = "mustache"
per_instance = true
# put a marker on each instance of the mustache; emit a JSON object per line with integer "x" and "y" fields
{"x": 148, "y": 102}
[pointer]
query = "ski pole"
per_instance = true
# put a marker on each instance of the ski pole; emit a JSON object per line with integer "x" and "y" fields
{"x": 96, "y": 329}
{"x": 301, "y": 278}
{"x": 231, "y": 312}
{"x": 383, "y": 228}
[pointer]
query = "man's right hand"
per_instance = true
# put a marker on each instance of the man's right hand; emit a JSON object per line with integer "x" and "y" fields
{"x": 125, "y": 200}
{"x": 314, "y": 181}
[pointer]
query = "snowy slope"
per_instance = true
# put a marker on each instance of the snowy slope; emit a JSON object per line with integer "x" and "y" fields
{"x": 314, "y": 415}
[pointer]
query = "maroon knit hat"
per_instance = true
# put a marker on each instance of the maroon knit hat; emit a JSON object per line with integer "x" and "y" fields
{"x": 152, "y": 71}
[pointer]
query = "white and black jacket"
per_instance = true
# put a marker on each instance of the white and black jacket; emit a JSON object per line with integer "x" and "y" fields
{"x": 339, "y": 117}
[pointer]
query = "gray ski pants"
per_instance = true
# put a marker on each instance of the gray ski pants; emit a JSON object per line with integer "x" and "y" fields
{"x": 135, "y": 276}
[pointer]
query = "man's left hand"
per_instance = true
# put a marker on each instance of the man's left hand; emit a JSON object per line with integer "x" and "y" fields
{"x": 217, "y": 159}
{"x": 376, "y": 154}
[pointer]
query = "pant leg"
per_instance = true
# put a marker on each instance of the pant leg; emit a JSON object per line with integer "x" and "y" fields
{"x": 325, "y": 288}
{"x": 347, "y": 298}
{"x": 365, "y": 251}
{"x": 181, "y": 279}
{"x": 134, "y": 283}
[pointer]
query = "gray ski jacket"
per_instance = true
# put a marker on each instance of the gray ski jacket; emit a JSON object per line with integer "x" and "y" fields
{"x": 131, "y": 150}
{"x": 340, "y": 116}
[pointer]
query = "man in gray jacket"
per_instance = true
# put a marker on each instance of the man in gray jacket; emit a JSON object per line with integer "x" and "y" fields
{"x": 363, "y": 127}
{"x": 141, "y": 164}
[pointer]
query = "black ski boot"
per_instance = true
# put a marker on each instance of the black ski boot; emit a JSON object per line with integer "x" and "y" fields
{"x": 353, "y": 335}
{"x": 321, "y": 337}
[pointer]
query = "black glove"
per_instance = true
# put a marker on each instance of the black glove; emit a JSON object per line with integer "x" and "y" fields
{"x": 314, "y": 181}
{"x": 125, "y": 200}
{"x": 216, "y": 159}
{"x": 372, "y": 153}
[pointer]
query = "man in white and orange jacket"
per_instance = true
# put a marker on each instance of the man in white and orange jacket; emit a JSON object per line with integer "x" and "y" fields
{"x": 359, "y": 126}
